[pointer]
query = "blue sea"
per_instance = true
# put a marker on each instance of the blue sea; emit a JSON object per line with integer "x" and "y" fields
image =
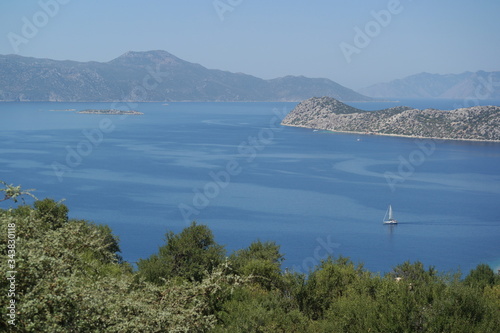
{"x": 232, "y": 167}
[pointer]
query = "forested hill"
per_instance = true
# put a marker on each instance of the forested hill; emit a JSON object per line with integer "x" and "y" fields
{"x": 150, "y": 76}
{"x": 474, "y": 123}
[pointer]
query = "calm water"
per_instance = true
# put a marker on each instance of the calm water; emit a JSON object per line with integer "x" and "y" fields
{"x": 232, "y": 167}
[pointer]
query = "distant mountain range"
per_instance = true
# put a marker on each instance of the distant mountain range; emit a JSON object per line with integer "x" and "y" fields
{"x": 150, "y": 76}
{"x": 325, "y": 113}
{"x": 468, "y": 85}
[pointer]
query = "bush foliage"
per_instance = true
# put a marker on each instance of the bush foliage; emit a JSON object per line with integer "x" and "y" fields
{"x": 71, "y": 278}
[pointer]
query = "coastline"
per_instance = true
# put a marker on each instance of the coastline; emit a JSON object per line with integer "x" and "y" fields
{"x": 110, "y": 112}
{"x": 395, "y": 135}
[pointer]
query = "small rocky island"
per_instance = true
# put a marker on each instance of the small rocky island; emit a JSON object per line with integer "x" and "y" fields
{"x": 478, "y": 123}
{"x": 111, "y": 112}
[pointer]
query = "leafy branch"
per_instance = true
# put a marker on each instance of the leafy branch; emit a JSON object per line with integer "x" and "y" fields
{"x": 15, "y": 192}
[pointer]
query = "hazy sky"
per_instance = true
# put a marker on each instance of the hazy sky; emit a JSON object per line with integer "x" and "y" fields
{"x": 353, "y": 42}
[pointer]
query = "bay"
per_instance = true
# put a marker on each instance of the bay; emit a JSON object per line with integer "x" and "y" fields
{"x": 233, "y": 167}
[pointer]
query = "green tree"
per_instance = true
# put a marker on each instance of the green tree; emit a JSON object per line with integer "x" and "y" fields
{"x": 331, "y": 280}
{"x": 70, "y": 279}
{"x": 462, "y": 309}
{"x": 262, "y": 260}
{"x": 53, "y": 214}
{"x": 413, "y": 272}
{"x": 58, "y": 271}
{"x": 481, "y": 276}
{"x": 254, "y": 309}
{"x": 190, "y": 255}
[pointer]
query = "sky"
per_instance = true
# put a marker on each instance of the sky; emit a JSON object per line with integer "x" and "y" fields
{"x": 353, "y": 42}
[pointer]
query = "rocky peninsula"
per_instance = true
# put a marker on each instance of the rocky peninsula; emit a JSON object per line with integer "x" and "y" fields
{"x": 478, "y": 123}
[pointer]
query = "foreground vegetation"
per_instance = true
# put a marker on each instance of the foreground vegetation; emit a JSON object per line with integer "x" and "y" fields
{"x": 70, "y": 278}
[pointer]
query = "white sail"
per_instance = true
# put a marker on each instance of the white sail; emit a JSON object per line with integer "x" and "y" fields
{"x": 390, "y": 219}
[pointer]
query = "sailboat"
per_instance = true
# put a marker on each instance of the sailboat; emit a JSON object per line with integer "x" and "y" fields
{"x": 388, "y": 218}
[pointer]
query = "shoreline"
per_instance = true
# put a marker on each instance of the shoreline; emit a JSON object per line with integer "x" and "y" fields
{"x": 180, "y": 101}
{"x": 110, "y": 112}
{"x": 395, "y": 135}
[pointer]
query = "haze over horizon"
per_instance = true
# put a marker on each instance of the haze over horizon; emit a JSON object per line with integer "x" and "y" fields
{"x": 355, "y": 44}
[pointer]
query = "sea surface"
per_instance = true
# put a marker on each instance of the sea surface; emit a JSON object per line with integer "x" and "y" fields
{"x": 232, "y": 167}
